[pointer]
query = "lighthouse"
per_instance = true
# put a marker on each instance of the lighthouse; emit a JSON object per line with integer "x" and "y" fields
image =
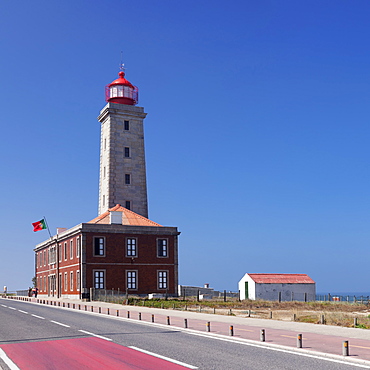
{"x": 122, "y": 154}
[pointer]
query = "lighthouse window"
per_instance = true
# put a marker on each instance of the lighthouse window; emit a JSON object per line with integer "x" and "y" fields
{"x": 127, "y": 152}
{"x": 127, "y": 125}
{"x": 120, "y": 90}
{"x": 113, "y": 91}
{"x": 127, "y": 179}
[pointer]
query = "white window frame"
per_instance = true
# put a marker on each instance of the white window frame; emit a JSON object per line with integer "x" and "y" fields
{"x": 65, "y": 281}
{"x": 71, "y": 249}
{"x": 162, "y": 276}
{"x": 164, "y": 248}
{"x": 78, "y": 282}
{"x": 65, "y": 251}
{"x": 94, "y": 248}
{"x": 129, "y": 247}
{"x": 95, "y": 272}
{"x": 78, "y": 247}
{"x": 71, "y": 281}
{"x": 131, "y": 284}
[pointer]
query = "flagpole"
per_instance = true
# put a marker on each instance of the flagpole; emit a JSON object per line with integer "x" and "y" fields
{"x": 47, "y": 226}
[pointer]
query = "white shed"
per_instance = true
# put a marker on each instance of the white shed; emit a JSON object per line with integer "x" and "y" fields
{"x": 273, "y": 287}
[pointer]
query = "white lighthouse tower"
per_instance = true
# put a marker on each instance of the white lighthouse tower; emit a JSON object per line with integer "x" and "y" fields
{"x": 122, "y": 154}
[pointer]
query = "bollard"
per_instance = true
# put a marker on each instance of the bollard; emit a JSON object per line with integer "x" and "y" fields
{"x": 128, "y": 314}
{"x": 99, "y": 309}
{"x": 73, "y": 306}
{"x": 299, "y": 340}
{"x": 117, "y": 312}
{"x": 59, "y": 304}
{"x": 92, "y": 308}
{"x": 208, "y": 326}
{"x": 231, "y": 330}
{"x": 214, "y": 310}
{"x": 322, "y": 319}
{"x": 345, "y": 348}
{"x": 249, "y": 313}
{"x": 107, "y": 311}
{"x": 355, "y": 322}
{"x": 270, "y": 314}
{"x": 186, "y": 307}
{"x": 64, "y": 304}
{"x": 68, "y": 305}
{"x": 139, "y": 315}
{"x": 230, "y": 312}
{"x": 294, "y": 317}
{"x": 186, "y": 323}
{"x": 263, "y": 335}
{"x": 79, "y": 307}
{"x": 168, "y": 320}
{"x": 85, "y": 308}
{"x": 152, "y": 317}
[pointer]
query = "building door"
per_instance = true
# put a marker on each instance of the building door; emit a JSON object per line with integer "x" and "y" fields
{"x": 246, "y": 290}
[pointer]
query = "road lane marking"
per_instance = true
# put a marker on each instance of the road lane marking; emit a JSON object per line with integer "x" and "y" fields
{"x": 23, "y": 311}
{"x": 95, "y": 335}
{"x": 239, "y": 329}
{"x": 59, "y": 323}
{"x": 288, "y": 336}
{"x": 359, "y": 346}
{"x": 163, "y": 357}
{"x": 8, "y": 361}
{"x": 4, "y": 305}
{"x": 39, "y": 317}
{"x": 12, "y": 308}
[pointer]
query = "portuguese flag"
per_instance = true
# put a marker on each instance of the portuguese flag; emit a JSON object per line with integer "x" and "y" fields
{"x": 39, "y": 225}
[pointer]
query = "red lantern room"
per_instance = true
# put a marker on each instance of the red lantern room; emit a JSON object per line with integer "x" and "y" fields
{"x": 122, "y": 91}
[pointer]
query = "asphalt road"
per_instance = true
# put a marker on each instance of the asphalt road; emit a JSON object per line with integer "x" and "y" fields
{"x": 43, "y": 337}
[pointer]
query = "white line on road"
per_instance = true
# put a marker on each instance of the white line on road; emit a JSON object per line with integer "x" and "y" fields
{"x": 4, "y": 305}
{"x": 95, "y": 335}
{"x": 8, "y": 361}
{"x": 23, "y": 311}
{"x": 164, "y": 357}
{"x": 39, "y": 317}
{"x": 12, "y": 308}
{"x": 59, "y": 323}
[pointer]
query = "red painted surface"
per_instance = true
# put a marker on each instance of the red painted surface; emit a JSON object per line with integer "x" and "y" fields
{"x": 82, "y": 353}
{"x": 281, "y": 279}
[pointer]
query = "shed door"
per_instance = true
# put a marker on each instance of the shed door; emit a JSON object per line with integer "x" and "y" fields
{"x": 246, "y": 290}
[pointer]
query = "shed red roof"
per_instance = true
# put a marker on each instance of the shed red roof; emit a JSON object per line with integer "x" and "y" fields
{"x": 281, "y": 279}
{"x": 128, "y": 218}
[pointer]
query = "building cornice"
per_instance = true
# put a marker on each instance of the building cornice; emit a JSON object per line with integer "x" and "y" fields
{"x": 121, "y": 109}
{"x": 107, "y": 229}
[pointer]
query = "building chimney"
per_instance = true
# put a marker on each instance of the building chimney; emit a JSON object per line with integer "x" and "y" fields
{"x": 115, "y": 217}
{"x": 206, "y": 285}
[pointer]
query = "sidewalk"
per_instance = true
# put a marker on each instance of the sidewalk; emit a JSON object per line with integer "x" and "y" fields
{"x": 327, "y": 340}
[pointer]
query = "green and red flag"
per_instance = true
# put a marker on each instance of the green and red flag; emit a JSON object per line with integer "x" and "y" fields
{"x": 39, "y": 225}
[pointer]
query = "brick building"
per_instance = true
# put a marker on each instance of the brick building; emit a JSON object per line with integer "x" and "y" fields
{"x": 116, "y": 250}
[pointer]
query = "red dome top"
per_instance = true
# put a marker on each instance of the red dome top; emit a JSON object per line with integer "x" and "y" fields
{"x": 121, "y": 80}
{"x": 121, "y": 91}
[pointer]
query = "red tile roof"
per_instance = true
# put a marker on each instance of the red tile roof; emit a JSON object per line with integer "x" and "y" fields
{"x": 281, "y": 279}
{"x": 128, "y": 218}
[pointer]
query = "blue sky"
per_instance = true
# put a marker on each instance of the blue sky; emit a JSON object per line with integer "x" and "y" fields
{"x": 257, "y": 134}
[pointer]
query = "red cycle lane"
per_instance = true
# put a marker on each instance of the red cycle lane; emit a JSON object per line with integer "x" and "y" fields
{"x": 82, "y": 353}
